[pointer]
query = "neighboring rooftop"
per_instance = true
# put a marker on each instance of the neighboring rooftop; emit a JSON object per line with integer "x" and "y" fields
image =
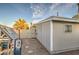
{"x": 77, "y": 15}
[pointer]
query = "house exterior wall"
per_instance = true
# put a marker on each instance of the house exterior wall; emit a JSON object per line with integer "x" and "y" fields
{"x": 65, "y": 40}
{"x": 39, "y": 32}
{"x": 60, "y": 40}
{"x": 43, "y": 34}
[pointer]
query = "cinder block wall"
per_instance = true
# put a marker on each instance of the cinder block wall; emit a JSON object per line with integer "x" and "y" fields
{"x": 28, "y": 34}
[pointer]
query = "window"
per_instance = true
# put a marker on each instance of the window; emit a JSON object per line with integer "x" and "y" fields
{"x": 4, "y": 45}
{"x": 68, "y": 28}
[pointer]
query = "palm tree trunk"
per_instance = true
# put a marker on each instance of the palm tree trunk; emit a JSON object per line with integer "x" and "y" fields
{"x": 19, "y": 34}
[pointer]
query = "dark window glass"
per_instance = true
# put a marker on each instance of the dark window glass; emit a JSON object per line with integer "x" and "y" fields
{"x": 68, "y": 28}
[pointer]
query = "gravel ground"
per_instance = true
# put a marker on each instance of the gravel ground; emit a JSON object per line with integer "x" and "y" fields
{"x": 33, "y": 47}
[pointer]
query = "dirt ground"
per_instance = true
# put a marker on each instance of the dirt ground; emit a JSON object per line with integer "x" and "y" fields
{"x": 33, "y": 47}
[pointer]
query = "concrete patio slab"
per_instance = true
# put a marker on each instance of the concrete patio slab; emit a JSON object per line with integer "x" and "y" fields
{"x": 33, "y": 47}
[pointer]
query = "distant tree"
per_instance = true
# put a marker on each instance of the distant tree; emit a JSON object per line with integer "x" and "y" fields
{"x": 20, "y": 24}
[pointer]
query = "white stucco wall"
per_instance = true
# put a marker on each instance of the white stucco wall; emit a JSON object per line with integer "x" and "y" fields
{"x": 43, "y": 34}
{"x": 63, "y": 40}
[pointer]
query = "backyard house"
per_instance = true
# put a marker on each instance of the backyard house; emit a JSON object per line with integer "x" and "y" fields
{"x": 58, "y": 34}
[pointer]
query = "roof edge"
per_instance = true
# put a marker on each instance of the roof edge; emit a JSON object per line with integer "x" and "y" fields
{"x": 57, "y": 18}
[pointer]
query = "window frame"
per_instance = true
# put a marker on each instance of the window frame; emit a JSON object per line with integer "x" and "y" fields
{"x": 68, "y": 28}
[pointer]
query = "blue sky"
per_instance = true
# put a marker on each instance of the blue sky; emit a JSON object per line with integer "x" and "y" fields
{"x": 9, "y": 13}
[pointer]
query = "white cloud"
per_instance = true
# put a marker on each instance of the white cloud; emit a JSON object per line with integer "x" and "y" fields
{"x": 36, "y": 21}
{"x": 57, "y": 6}
{"x": 53, "y": 9}
{"x": 53, "y": 6}
{"x": 60, "y": 8}
{"x": 69, "y": 5}
{"x": 37, "y": 10}
{"x": 40, "y": 10}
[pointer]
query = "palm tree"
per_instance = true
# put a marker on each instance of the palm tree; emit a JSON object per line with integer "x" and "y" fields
{"x": 20, "y": 24}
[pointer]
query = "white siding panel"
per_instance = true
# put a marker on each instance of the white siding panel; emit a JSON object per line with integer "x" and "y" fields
{"x": 39, "y": 32}
{"x": 43, "y": 34}
{"x": 64, "y": 40}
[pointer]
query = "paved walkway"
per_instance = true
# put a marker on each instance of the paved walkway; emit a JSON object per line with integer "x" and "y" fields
{"x": 73, "y": 52}
{"x": 33, "y": 47}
